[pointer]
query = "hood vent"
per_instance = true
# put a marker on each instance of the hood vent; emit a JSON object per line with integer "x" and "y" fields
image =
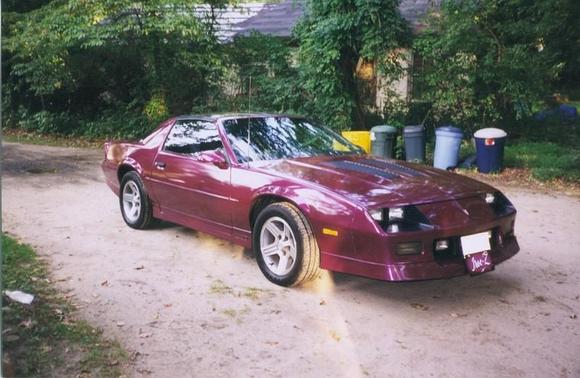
{"x": 384, "y": 169}
{"x": 358, "y": 166}
{"x": 391, "y": 166}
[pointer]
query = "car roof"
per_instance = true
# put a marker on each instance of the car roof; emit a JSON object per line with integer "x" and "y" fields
{"x": 224, "y": 116}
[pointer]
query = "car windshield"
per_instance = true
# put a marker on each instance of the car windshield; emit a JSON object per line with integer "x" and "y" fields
{"x": 272, "y": 138}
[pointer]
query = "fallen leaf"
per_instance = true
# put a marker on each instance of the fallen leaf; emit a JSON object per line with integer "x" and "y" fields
{"x": 27, "y": 324}
{"x": 7, "y": 330}
{"x": 9, "y": 338}
{"x": 120, "y": 324}
{"x": 419, "y": 306}
{"x": 334, "y": 335}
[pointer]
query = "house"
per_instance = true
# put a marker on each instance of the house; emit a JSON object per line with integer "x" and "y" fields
{"x": 278, "y": 19}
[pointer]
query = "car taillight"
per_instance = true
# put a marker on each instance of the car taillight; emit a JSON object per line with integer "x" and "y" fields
{"x": 107, "y": 148}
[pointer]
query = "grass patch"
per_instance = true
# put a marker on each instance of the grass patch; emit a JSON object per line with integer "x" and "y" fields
{"x": 253, "y": 293}
{"x": 546, "y": 161}
{"x": 219, "y": 287}
{"x": 44, "y": 338}
{"x": 19, "y": 136}
{"x": 230, "y": 312}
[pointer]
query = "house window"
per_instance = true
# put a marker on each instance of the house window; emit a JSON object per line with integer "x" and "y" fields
{"x": 419, "y": 84}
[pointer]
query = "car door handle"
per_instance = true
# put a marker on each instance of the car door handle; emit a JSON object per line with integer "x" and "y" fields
{"x": 160, "y": 165}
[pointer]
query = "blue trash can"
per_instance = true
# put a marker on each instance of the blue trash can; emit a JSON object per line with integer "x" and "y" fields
{"x": 414, "y": 143}
{"x": 489, "y": 144}
{"x": 447, "y": 143}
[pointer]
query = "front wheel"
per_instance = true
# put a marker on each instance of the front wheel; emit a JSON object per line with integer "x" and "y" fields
{"x": 135, "y": 204}
{"x": 284, "y": 245}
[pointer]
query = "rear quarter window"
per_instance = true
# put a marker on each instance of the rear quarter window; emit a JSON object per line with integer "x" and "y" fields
{"x": 192, "y": 136}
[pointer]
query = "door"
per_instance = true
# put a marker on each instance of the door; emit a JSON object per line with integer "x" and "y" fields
{"x": 190, "y": 175}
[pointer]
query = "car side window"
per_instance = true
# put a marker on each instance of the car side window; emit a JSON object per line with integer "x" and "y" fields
{"x": 193, "y": 136}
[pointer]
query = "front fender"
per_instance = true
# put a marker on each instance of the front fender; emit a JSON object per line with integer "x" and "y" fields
{"x": 330, "y": 216}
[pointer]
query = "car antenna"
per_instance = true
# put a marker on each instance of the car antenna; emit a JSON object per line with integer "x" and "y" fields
{"x": 250, "y": 95}
{"x": 249, "y": 120}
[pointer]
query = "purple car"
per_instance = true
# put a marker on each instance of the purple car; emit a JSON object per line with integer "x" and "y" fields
{"x": 306, "y": 199}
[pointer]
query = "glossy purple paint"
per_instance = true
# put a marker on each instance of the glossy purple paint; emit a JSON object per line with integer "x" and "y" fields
{"x": 215, "y": 194}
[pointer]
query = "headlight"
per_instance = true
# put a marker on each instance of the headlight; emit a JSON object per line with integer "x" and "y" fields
{"x": 489, "y": 198}
{"x": 399, "y": 219}
{"x": 396, "y": 213}
{"x": 499, "y": 203}
{"x": 377, "y": 214}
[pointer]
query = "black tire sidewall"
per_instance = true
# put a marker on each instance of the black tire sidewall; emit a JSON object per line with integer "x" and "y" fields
{"x": 133, "y": 176}
{"x": 282, "y": 212}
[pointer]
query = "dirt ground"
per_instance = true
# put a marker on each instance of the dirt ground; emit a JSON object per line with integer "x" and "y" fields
{"x": 186, "y": 304}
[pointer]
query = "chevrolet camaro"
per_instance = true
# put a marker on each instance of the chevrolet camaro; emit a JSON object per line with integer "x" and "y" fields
{"x": 304, "y": 199}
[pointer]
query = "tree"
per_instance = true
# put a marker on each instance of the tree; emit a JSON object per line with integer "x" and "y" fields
{"x": 82, "y": 57}
{"x": 490, "y": 60}
{"x": 334, "y": 36}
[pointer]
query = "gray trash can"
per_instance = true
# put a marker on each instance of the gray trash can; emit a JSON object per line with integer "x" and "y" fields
{"x": 383, "y": 140}
{"x": 447, "y": 144}
{"x": 414, "y": 137}
{"x": 489, "y": 144}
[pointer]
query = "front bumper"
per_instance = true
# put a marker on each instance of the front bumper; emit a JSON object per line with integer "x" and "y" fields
{"x": 375, "y": 257}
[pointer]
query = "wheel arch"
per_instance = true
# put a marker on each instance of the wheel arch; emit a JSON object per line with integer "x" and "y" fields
{"x": 128, "y": 166}
{"x": 123, "y": 170}
{"x": 264, "y": 200}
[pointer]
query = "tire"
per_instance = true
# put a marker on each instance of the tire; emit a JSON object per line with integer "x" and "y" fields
{"x": 284, "y": 245}
{"x": 134, "y": 201}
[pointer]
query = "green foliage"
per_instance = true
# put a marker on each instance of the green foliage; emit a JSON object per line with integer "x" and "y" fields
{"x": 490, "y": 60}
{"x": 262, "y": 65}
{"x": 548, "y": 161}
{"x": 36, "y": 335}
{"x": 334, "y": 37}
{"x": 113, "y": 68}
{"x": 86, "y": 58}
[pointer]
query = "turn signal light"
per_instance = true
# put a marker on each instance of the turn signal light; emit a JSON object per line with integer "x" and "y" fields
{"x": 410, "y": 248}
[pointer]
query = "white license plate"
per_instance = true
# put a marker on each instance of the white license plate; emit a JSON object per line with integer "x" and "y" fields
{"x": 475, "y": 243}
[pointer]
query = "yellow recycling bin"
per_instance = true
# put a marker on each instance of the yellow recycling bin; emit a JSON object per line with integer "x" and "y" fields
{"x": 360, "y": 138}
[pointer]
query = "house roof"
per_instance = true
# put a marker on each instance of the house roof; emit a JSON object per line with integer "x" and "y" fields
{"x": 278, "y": 19}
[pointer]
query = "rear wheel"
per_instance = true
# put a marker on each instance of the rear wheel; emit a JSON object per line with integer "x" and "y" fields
{"x": 134, "y": 202}
{"x": 284, "y": 245}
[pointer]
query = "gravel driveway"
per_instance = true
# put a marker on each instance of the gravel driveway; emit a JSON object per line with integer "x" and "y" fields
{"x": 187, "y": 304}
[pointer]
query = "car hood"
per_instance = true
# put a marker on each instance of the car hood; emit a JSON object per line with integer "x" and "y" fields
{"x": 375, "y": 182}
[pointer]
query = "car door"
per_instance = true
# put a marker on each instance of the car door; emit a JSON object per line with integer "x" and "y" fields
{"x": 191, "y": 178}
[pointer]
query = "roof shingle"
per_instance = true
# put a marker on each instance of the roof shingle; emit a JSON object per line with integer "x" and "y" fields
{"x": 278, "y": 19}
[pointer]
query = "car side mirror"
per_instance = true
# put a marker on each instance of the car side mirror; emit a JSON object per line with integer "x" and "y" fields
{"x": 215, "y": 157}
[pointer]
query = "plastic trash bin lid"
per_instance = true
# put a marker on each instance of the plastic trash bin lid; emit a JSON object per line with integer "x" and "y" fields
{"x": 413, "y": 129}
{"x": 450, "y": 129}
{"x": 384, "y": 129}
{"x": 490, "y": 133}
